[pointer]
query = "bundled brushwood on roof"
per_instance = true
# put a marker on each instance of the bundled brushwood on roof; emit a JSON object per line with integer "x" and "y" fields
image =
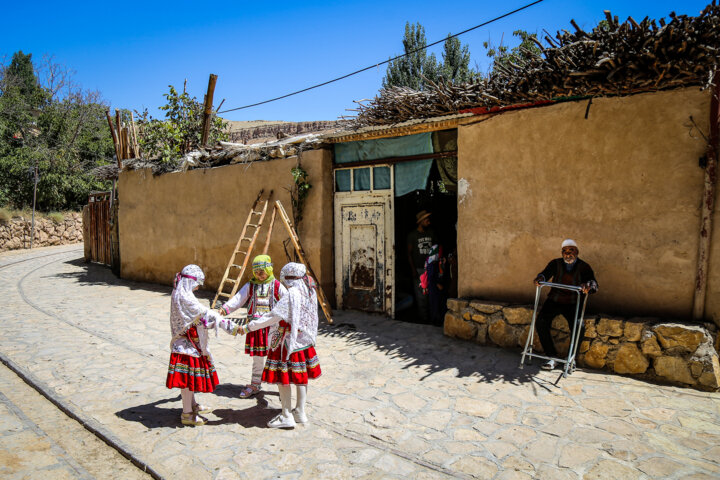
{"x": 613, "y": 59}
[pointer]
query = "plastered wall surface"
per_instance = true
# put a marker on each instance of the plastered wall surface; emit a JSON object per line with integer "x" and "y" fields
{"x": 171, "y": 220}
{"x": 624, "y": 183}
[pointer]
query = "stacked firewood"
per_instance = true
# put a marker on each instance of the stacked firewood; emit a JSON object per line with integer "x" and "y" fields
{"x": 613, "y": 59}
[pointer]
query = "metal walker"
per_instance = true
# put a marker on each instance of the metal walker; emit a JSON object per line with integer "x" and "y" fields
{"x": 576, "y": 328}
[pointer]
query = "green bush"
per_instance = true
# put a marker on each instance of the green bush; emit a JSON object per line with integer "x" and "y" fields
{"x": 56, "y": 217}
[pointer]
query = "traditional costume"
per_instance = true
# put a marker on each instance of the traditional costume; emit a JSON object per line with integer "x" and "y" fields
{"x": 260, "y": 297}
{"x": 293, "y": 326}
{"x": 191, "y": 366}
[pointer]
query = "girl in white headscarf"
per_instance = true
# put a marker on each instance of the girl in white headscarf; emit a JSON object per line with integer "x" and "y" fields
{"x": 292, "y": 358}
{"x": 191, "y": 367}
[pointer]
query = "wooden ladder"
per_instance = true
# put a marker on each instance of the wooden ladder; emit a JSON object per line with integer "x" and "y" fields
{"x": 241, "y": 254}
{"x": 324, "y": 304}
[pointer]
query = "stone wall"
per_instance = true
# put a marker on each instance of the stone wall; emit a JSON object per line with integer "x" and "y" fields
{"x": 16, "y": 233}
{"x": 680, "y": 354}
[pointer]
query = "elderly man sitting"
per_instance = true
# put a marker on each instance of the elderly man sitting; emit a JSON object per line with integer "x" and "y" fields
{"x": 567, "y": 270}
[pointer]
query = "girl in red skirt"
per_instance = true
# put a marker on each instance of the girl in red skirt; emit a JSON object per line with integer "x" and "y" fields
{"x": 293, "y": 326}
{"x": 260, "y": 295}
{"x": 191, "y": 367}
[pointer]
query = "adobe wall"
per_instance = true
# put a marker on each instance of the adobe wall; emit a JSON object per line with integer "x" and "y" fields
{"x": 624, "y": 183}
{"x": 171, "y": 220}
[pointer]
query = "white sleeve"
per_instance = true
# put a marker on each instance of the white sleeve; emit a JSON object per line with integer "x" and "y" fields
{"x": 239, "y": 299}
{"x": 265, "y": 321}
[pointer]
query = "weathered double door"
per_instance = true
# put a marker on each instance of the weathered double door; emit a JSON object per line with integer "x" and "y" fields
{"x": 364, "y": 238}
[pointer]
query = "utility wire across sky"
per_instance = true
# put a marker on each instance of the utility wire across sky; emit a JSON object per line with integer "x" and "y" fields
{"x": 386, "y": 61}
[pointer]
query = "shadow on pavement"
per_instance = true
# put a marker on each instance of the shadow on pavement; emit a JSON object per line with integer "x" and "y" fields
{"x": 425, "y": 347}
{"x": 97, "y": 274}
{"x": 152, "y": 416}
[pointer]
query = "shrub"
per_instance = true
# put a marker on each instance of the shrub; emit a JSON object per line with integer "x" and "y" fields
{"x": 5, "y": 216}
{"x": 56, "y": 217}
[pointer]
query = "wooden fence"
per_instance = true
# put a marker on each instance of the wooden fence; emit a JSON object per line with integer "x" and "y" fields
{"x": 99, "y": 219}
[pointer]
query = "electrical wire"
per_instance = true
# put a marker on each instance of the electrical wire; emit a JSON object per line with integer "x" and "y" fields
{"x": 386, "y": 61}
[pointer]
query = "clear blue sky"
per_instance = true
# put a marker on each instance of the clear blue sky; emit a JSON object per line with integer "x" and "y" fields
{"x": 131, "y": 51}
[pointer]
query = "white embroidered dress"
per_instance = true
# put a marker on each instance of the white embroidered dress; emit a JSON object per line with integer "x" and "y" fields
{"x": 186, "y": 311}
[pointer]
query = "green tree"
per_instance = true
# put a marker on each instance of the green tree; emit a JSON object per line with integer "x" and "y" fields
{"x": 181, "y": 131}
{"x": 519, "y": 55}
{"x": 63, "y": 135}
{"x": 456, "y": 61}
{"x": 416, "y": 67}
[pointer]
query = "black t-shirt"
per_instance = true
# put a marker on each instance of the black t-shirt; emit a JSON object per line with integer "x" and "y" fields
{"x": 421, "y": 243}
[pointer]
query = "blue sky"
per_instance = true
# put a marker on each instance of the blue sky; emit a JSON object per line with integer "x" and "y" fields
{"x": 131, "y": 51}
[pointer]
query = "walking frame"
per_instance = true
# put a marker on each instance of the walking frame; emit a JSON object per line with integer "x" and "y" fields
{"x": 576, "y": 328}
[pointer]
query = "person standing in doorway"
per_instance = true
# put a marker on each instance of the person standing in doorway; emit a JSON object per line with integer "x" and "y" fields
{"x": 419, "y": 245}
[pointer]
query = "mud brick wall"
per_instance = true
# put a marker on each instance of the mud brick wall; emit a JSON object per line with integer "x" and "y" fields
{"x": 668, "y": 352}
{"x": 16, "y": 233}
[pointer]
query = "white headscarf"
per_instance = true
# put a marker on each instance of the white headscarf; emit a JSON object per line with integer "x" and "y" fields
{"x": 186, "y": 311}
{"x": 298, "y": 307}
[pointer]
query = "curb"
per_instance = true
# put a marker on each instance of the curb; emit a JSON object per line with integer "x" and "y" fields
{"x": 89, "y": 424}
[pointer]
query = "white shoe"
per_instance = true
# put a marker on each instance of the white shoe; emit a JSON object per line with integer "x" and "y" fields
{"x": 300, "y": 417}
{"x": 282, "y": 422}
{"x": 549, "y": 365}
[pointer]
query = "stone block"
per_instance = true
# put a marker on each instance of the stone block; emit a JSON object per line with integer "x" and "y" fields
{"x": 456, "y": 304}
{"x": 674, "y": 369}
{"x": 455, "y": 326}
{"x": 537, "y": 346}
{"x": 650, "y": 345}
{"x": 486, "y": 307}
{"x": 481, "y": 336}
{"x": 680, "y": 338}
{"x": 711, "y": 376}
{"x": 611, "y": 327}
{"x": 633, "y": 330}
{"x": 629, "y": 359}
{"x": 596, "y": 356}
{"x": 518, "y": 315}
{"x": 467, "y": 313}
{"x": 696, "y": 368}
{"x": 502, "y": 334}
{"x": 584, "y": 346}
{"x": 561, "y": 324}
{"x": 481, "y": 318}
{"x": 590, "y": 329}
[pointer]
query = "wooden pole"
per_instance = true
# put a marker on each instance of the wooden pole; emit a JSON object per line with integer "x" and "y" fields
{"x": 324, "y": 304}
{"x": 136, "y": 146}
{"x": 270, "y": 230}
{"x": 118, "y": 129}
{"x": 114, "y": 138}
{"x": 207, "y": 114}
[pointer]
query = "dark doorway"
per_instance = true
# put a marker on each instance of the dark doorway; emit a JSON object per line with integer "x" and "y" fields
{"x": 440, "y": 200}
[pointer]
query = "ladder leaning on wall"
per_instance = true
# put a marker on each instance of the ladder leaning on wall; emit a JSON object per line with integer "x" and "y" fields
{"x": 241, "y": 254}
{"x": 243, "y": 249}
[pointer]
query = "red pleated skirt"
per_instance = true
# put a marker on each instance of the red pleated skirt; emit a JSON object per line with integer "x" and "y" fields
{"x": 197, "y": 374}
{"x": 301, "y": 367}
{"x": 256, "y": 343}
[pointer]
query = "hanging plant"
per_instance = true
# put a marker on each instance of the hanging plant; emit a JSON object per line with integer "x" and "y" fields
{"x": 299, "y": 192}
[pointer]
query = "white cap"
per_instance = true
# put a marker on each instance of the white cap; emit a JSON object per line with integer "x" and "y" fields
{"x": 569, "y": 242}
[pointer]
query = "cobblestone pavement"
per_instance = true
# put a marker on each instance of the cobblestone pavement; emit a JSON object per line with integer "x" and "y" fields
{"x": 396, "y": 400}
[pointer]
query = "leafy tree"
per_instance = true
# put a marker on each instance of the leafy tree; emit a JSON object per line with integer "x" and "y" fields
{"x": 456, "y": 61}
{"x": 51, "y": 126}
{"x": 519, "y": 55}
{"x": 414, "y": 69}
{"x": 181, "y": 131}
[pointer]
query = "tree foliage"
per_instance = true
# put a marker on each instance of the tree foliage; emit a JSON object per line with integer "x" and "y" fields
{"x": 518, "y": 55}
{"x": 181, "y": 131}
{"x": 53, "y": 126}
{"x": 417, "y": 67}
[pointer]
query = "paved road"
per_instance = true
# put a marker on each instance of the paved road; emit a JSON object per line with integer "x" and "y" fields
{"x": 396, "y": 400}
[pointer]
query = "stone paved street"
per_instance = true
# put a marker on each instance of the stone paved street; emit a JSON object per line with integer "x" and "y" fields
{"x": 396, "y": 400}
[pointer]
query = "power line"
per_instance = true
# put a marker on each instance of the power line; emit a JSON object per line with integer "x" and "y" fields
{"x": 386, "y": 61}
